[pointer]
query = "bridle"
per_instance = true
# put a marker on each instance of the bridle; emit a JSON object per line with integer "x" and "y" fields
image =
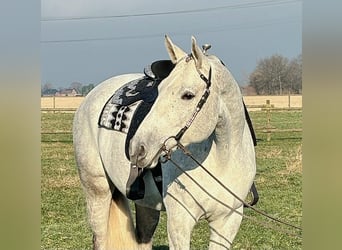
{"x": 198, "y": 108}
{"x": 199, "y": 104}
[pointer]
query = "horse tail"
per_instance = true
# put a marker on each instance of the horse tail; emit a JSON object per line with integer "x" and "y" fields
{"x": 121, "y": 232}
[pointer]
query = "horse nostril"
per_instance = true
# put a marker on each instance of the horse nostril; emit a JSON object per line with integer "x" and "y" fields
{"x": 137, "y": 153}
{"x": 141, "y": 152}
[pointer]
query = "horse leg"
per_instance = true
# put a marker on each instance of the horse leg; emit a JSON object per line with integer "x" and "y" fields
{"x": 224, "y": 230}
{"x": 146, "y": 223}
{"x": 98, "y": 199}
{"x": 180, "y": 223}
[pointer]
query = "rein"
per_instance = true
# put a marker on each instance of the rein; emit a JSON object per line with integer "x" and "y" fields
{"x": 167, "y": 157}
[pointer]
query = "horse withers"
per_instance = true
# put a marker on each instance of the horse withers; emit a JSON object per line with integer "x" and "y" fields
{"x": 198, "y": 104}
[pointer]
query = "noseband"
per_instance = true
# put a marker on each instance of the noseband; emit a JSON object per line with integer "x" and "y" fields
{"x": 199, "y": 104}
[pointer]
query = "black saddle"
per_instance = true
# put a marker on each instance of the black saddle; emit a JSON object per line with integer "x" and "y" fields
{"x": 159, "y": 70}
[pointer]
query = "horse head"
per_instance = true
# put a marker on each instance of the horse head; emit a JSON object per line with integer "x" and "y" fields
{"x": 193, "y": 77}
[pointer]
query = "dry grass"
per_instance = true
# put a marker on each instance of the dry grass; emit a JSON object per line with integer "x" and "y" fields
{"x": 269, "y": 154}
{"x": 64, "y": 182}
{"x": 277, "y": 101}
{"x": 294, "y": 163}
{"x": 61, "y": 102}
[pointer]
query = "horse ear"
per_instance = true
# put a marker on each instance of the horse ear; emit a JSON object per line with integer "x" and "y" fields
{"x": 174, "y": 51}
{"x": 196, "y": 53}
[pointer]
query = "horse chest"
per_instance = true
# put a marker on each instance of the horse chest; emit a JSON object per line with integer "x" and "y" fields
{"x": 197, "y": 191}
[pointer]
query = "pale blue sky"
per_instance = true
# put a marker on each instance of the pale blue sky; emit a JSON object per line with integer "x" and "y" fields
{"x": 91, "y": 50}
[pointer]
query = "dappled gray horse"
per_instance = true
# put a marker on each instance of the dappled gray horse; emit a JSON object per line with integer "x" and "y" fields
{"x": 193, "y": 101}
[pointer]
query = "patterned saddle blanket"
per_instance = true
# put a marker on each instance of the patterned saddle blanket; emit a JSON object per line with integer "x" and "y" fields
{"x": 128, "y": 106}
{"x": 124, "y": 112}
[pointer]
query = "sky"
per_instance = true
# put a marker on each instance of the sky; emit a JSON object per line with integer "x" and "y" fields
{"x": 90, "y": 41}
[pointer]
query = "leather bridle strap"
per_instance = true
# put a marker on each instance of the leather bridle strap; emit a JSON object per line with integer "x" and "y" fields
{"x": 199, "y": 105}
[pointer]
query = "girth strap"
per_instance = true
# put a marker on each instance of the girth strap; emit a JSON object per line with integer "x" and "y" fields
{"x": 135, "y": 187}
{"x": 253, "y": 190}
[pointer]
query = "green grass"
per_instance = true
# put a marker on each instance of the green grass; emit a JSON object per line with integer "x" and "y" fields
{"x": 63, "y": 222}
{"x": 279, "y": 182}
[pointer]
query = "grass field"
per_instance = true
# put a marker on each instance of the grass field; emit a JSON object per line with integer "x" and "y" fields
{"x": 279, "y": 182}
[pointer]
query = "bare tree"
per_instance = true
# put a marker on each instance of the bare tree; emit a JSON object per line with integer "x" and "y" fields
{"x": 46, "y": 86}
{"x": 86, "y": 89}
{"x": 295, "y": 75}
{"x": 276, "y": 75}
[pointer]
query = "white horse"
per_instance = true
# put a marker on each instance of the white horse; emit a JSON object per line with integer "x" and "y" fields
{"x": 218, "y": 137}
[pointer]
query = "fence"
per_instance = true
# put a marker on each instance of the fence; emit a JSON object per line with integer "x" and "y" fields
{"x": 60, "y": 103}
{"x": 268, "y": 107}
{"x": 269, "y": 128}
{"x": 70, "y": 104}
{"x": 54, "y": 110}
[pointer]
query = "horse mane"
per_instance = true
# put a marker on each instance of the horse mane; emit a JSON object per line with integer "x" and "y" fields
{"x": 226, "y": 83}
{"x": 230, "y": 94}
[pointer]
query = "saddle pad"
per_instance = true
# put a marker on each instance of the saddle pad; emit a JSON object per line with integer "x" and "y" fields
{"x": 124, "y": 112}
{"x": 119, "y": 110}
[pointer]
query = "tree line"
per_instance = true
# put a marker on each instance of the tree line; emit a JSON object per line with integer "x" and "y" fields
{"x": 277, "y": 75}
{"x": 81, "y": 89}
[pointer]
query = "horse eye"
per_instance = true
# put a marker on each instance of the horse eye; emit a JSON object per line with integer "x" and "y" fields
{"x": 188, "y": 96}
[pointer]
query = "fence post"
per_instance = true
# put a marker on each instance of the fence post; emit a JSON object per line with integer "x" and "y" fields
{"x": 289, "y": 100}
{"x": 54, "y": 103}
{"x": 268, "y": 117}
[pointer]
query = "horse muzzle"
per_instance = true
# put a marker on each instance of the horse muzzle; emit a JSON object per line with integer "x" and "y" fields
{"x": 143, "y": 156}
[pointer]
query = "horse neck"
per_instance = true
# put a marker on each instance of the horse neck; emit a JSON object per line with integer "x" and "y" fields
{"x": 231, "y": 124}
